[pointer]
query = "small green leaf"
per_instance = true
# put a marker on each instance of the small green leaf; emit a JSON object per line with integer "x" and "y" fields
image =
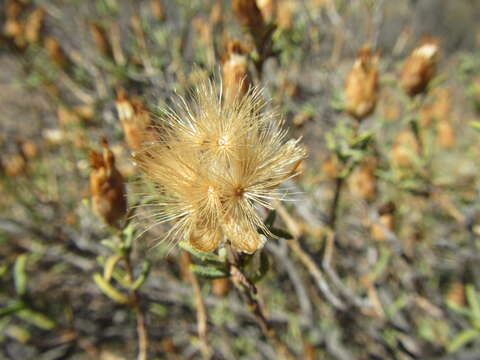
{"x": 209, "y": 271}
{"x": 128, "y": 236}
{"x": 110, "y": 266}
{"x": 281, "y": 233}
{"x": 20, "y": 274}
{"x": 270, "y": 218}
{"x": 202, "y": 255}
{"x": 263, "y": 269}
{"x": 472, "y": 299}
{"x": 11, "y": 308}
{"x": 143, "y": 276}
{"x": 37, "y": 319}
{"x": 109, "y": 290}
{"x": 462, "y": 339}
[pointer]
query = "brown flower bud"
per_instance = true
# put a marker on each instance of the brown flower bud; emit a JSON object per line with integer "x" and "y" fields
{"x": 420, "y": 67}
{"x": 362, "y": 182}
{"x": 405, "y": 149}
{"x": 362, "y": 84}
{"x": 101, "y": 39}
{"x": 135, "y": 120}
{"x": 456, "y": 294}
{"x": 236, "y": 77}
{"x": 107, "y": 187}
{"x": 445, "y": 134}
{"x": 33, "y": 25}
{"x": 268, "y": 9}
{"x": 331, "y": 167}
{"x": 386, "y": 221}
{"x": 216, "y": 14}
{"x": 14, "y": 164}
{"x": 56, "y": 53}
{"x": 29, "y": 149}
{"x": 221, "y": 287}
{"x": 249, "y": 15}
{"x": 158, "y": 9}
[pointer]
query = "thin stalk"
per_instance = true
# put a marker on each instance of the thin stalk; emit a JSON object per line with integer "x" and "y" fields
{"x": 139, "y": 314}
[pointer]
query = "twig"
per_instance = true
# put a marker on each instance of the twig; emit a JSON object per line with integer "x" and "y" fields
{"x": 248, "y": 291}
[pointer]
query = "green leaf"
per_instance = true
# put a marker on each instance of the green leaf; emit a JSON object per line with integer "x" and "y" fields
{"x": 12, "y": 308}
{"x": 109, "y": 290}
{"x": 462, "y": 339}
{"x": 270, "y": 218}
{"x": 202, "y": 255}
{"x": 110, "y": 266}
{"x": 37, "y": 319}
{"x": 143, "y": 276}
{"x": 128, "y": 236}
{"x": 281, "y": 233}
{"x": 475, "y": 124}
{"x": 263, "y": 269}
{"x": 209, "y": 271}
{"x": 20, "y": 274}
{"x": 472, "y": 299}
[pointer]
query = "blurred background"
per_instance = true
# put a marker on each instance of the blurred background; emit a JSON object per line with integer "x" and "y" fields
{"x": 383, "y": 260}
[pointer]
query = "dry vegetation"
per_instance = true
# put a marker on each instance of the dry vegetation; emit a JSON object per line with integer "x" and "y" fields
{"x": 125, "y": 123}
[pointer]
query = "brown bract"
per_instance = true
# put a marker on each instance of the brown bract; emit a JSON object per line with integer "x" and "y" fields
{"x": 249, "y": 15}
{"x": 107, "y": 187}
{"x": 236, "y": 77}
{"x": 135, "y": 120}
{"x": 362, "y": 84}
{"x": 420, "y": 67}
{"x": 219, "y": 160}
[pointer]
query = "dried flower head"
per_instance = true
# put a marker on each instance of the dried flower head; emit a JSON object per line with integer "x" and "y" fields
{"x": 107, "y": 186}
{"x": 362, "y": 84}
{"x": 420, "y": 67}
{"x": 217, "y": 162}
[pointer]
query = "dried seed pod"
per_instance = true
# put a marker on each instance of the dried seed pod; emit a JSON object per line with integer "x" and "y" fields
{"x": 135, "y": 120}
{"x": 34, "y": 25}
{"x": 405, "y": 149}
{"x": 362, "y": 84}
{"x": 107, "y": 187}
{"x": 236, "y": 77}
{"x": 420, "y": 67}
{"x": 101, "y": 40}
{"x": 221, "y": 286}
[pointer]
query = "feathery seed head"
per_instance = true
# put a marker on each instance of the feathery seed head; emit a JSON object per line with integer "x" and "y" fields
{"x": 219, "y": 160}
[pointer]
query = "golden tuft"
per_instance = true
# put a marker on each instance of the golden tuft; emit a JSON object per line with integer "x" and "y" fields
{"x": 217, "y": 162}
{"x": 362, "y": 84}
